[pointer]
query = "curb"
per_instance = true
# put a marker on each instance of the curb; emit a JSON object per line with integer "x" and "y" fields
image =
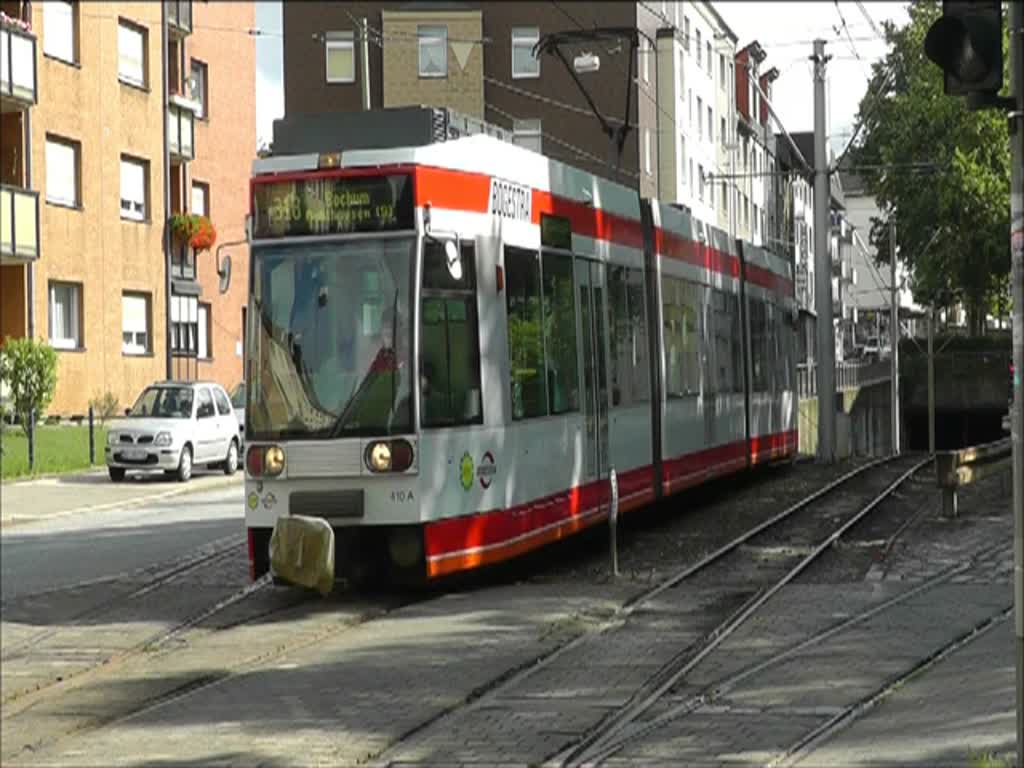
{"x": 221, "y": 482}
{"x": 26, "y": 479}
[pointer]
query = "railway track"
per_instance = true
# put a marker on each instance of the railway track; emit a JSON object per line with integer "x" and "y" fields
{"x": 882, "y": 478}
{"x": 829, "y": 513}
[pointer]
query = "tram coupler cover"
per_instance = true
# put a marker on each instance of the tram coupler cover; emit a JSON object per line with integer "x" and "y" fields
{"x": 302, "y": 552}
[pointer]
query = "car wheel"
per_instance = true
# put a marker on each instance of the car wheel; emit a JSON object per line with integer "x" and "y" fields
{"x": 185, "y": 464}
{"x": 231, "y": 462}
{"x": 116, "y": 474}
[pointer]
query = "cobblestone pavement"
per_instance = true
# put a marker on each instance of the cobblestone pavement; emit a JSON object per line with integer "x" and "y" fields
{"x": 452, "y": 680}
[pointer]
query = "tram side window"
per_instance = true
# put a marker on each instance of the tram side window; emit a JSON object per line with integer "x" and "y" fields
{"x": 682, "y": 332}
{"x": 760, "y": 338}
{"x": 619, "y": 337}
{"x": 628, "y": 338}
{"x": 449, "y": 344}
{"x": 728, "y": 350}
{"x": 639, "y": 353}
{"x": 560, "y": 333}
{"x": 525, "y": 345}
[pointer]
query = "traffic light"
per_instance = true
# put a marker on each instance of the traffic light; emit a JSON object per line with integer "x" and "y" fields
{"x": 967, "y": 43}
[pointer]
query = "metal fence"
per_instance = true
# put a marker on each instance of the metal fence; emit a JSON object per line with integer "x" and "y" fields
{"x": 848, "y": 376}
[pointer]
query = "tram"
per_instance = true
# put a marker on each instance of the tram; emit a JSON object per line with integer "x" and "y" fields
{"x": 452, "y": 346}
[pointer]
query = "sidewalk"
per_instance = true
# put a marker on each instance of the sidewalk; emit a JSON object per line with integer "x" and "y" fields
{"x": 29, "y": 501}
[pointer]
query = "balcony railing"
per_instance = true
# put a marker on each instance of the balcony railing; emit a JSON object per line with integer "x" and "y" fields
{"x": 848, "y": 376}
{"x": 19, "y": 224}
{"x": 179, "y": 16}
{"x": 181, "y": 132}
{"x": 17, "y": 68}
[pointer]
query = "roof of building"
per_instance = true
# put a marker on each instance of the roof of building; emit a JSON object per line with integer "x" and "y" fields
{"x": 721, "y": 22}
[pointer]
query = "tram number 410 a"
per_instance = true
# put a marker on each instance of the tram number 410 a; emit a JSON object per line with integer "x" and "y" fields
{"x": 402, "y": 497}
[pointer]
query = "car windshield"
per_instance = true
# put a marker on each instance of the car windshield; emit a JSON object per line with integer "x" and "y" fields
{"x": 238, "y": 396}
{"x": 331, "y": 353}
{"x": 164, "y": 403}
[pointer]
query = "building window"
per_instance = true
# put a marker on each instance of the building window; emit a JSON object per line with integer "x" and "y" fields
{"x": 682, "y": 158}
{"x": 690, "y": 163}
{"x": 204, "y": 348}
{"x": 62, "y": 164}
{"x": 201, "y": 198}
{"x": 722, "y": 136}
{"x": 524, "y": 63}
{"x": 135, "y": 336}
{"x": 686, "y": 31}
{"x": 711, "y": 125}
{"x": 528, "y": 134}
{"x": 721, "y": 71}
{"x": 340, "y": 57}
{"x": 700, "y": 181}
{"x": 200, "y": 74}
{"x": 689, "y": 92}
{"x": 184, "y": 326}
{"x": 647, "y": 150}
{"x": 698, "y": 49}
{"x": 433, "y": 51}
{"x": 131, "y": 53}
{"x": 65, "y": 315}
{"x": 59, "y": 30}
{"x": 700, "y": 123}
{"x": 133, "y": 189}
{"x": 711, "y": 64}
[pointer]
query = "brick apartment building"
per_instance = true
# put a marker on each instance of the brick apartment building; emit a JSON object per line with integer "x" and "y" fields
{"x": 94, "y": 162}
{"x": 702, "y": 137}
{"x": 475, "y": 58}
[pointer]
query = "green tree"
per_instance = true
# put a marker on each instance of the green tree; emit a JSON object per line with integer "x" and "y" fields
{"x": 953, "y": 221}
{"x": 28, "y": 370}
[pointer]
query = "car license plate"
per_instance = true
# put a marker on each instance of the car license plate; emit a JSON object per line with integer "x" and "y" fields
{"x": 135, "y": 453}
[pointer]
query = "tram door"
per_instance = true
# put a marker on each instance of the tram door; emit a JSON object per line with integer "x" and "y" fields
{"x": 592, "y": 290}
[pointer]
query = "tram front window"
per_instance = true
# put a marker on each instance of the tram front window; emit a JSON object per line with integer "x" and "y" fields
{"x": 331, "y": 356}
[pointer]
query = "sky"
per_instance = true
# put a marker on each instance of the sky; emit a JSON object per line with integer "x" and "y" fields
{"x": 784, "y": 29}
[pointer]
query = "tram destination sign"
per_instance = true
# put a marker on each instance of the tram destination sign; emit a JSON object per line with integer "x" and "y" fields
{"x": 332, "y": 206}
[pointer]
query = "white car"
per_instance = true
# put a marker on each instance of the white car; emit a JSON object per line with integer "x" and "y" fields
{"x": 238, "y": 403}
{"x": 173, "y": 426}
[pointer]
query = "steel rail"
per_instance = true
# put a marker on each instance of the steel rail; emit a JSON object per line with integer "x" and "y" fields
{"x": 715, "y": 690}
{"x": 806, "y": 744}
{"x": 605, "y": 732}
{"x": 620, "y": 614}
{"x": 211, "y": 552}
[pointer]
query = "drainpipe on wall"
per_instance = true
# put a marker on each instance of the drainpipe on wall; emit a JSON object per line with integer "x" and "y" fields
{"x": 30, "y": 282}
{"x": 167, "y": 192}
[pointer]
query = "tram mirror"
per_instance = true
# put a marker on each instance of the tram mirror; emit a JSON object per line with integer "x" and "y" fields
{"x": 453, "y": 257}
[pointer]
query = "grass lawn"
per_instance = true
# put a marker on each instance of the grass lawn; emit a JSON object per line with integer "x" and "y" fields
{"x": 57, "y": 449}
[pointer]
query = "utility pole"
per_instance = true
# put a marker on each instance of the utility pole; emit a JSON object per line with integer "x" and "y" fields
{"x": 931, "y": 380}
{"x": 826, "y": 363}
{"x": 894, "y": 336}
{"x": 364, "y": 50}
{"x": 1016, "y": 22}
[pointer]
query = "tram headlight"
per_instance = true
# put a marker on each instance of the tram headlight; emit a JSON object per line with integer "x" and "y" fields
{"x": 388, "y": 456}
{"x": 273, "y": 460}
{"x": 379, "y": 457}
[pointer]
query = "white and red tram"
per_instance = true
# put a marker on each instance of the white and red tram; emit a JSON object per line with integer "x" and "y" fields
{"x": 452, "y": 345}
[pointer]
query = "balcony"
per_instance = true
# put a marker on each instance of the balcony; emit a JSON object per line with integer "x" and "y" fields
{"x": 19, "y": 225}
{"x": 181, "y": 129}
{"x": 179, "y": 17}
{"x": 17, "y": 68}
